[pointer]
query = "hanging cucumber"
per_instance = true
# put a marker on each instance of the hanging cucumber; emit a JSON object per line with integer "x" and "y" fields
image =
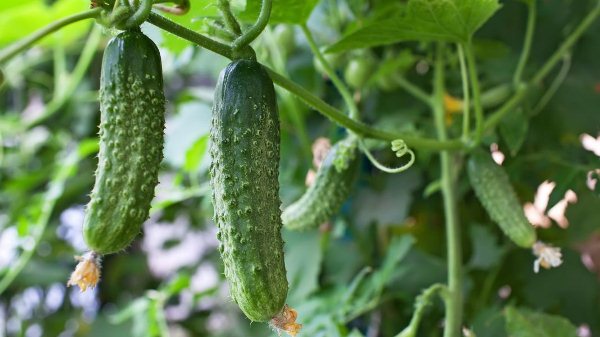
{"x": 330, "y": 189}
{"x": 496, "y": 194}
{"x": 132, "y": 106}
{"x": 244, "y": 179}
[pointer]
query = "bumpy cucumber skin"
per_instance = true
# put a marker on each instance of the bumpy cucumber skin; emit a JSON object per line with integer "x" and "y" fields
{"x": 495, "y": 192}
{"x": 132, "y": 106}
{"x": 244, "y": 178}
{"x": 325, "y": 196}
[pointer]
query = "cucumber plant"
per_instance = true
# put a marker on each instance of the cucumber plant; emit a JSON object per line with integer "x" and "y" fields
{"x": 245, "y": 140}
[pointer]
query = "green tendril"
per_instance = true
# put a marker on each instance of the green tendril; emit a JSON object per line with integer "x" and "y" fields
{"x": 399, "y": 147}
{"x": 126, "y": 16}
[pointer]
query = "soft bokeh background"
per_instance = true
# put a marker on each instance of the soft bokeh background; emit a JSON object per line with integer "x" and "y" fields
{"x": 357, "y": 275}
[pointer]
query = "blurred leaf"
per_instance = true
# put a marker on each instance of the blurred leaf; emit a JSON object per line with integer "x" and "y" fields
{"x": 195, "y": 154}
{"x": 395, "y": 64}
{"x": 355, "y": 333}
{"x": 283, "y": 11}
{"x": 389, "y": 205}
{"x": 513, "y": 129}
{"x": 30, "y": 16}
{"x": 571, "y": 287}
{"x": 167, "y": 197}
{"x": 487, "y": 252}
{"x": 425, "y": 20}
{"x": 138, "y": 305}
{"x": 184, "y": 129}
{"x": 102, "y": 327}
{"x": 303, "y": 258}
{"x": 565, "y": 180}
{"x": 180, "y": 282}
{"x": 431, "y": 188}
{"x": 23, "y": 226}
{"x": 489, "y": 322}
{"x": 39, "y": 212}
{"x": 527, "y": 323}
{"x": 418, "y": 271}
{"x": 365, "y": 291}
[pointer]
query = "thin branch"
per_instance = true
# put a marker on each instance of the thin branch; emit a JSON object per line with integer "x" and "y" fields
{"x": 27, "y": 42}
{"x": 531, "y": 16}
{"x": 190, "y": 35}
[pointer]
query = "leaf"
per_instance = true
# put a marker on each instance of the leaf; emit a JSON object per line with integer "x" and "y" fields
{"x": 528, "y": 323}
{"x": 565, "y": 179}
{"x": 180, "y": 282}
{"x": 486, "y": 250}
{"x": 424, "y": 20}
{"x": 283, "y": 11}
{"x": 489, "y": 322}
{"x": 389, "y": 205}
{"x": 30, "y": 16}
{"x": 195, "y": 153}
{"x": 138, "y": 305}
{"x": 394, "y": 65}
{"x": 355, "y": 333}
{"x": 367, "y": 289}
{"x": 513, "y": 129}
{"x": 303, "y": 258}
{"x": 191, "y": 122}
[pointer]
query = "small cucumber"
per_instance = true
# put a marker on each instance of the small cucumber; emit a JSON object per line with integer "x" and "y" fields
{"x": 331, "y": 188}
{"x": 496, "y": 194}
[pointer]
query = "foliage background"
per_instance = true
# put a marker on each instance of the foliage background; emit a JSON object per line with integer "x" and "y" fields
{"x": 359, "y": 275}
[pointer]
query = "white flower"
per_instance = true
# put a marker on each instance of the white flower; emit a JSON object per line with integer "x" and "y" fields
{"x": 547, "y": 256}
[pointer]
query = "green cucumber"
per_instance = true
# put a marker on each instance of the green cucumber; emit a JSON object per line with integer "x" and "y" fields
{"x": 496, "y": 194}
{"x": 244, "y": 178}
{"x": 132, "y": 121}
{"x": 331, "y": 188}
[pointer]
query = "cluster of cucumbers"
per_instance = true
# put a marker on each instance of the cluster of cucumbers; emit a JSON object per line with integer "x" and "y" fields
{"x": 245, "y": 151}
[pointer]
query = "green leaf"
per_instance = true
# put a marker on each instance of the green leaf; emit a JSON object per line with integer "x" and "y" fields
{"x": 528, "y": 323}
{"x": 194, "y": 155}
{"x": 366, "y": 289}
{"x": 565, "y": 179}
{"x": 424, "y": 20}
{"x": 486, "y": 250}
{"x": 283, "y": 11}
{"x": 513, "y": 130}
{"x": 180, "y": 282}
{"x": 303, "y": 261}
{"x": 30, "y": 16}
{"x": 138, "y": 305}
{"x": 355, "y": 333}
{"x": 489, "y": 322}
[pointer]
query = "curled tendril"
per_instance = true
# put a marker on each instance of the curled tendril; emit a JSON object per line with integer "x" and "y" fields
{"x": 400, "y": 148}
{"x": 124, "y": 16}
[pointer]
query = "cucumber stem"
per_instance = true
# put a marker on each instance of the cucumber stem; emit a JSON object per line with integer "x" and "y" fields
{"x": 454, "y": 305}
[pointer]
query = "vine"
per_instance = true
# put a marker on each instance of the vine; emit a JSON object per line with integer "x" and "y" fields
{"x": 453, "y": 321}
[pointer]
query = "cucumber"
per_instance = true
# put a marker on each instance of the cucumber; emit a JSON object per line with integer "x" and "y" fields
{"x": 132, "y": 106}
{"x": 331, "y": 188}
{"x": 496, "y": 194}
{"x": 244, "y": 178}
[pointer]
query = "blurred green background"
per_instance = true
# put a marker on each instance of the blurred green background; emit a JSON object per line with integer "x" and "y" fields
{"x": 356, "y": 276}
